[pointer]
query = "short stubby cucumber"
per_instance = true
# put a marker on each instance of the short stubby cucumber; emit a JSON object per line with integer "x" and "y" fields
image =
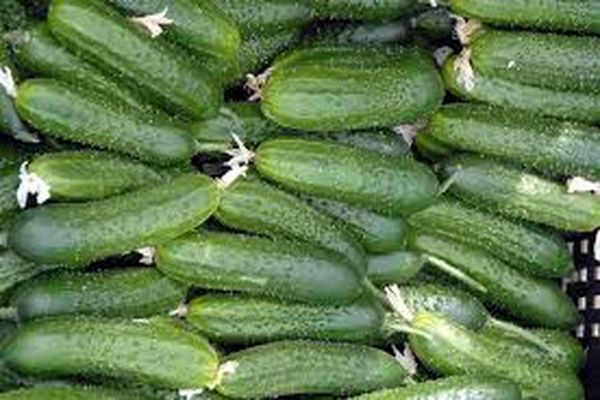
{"x": 276, "y": 268}
{"x": 83, "y": 232}
{"x": 155, "y": 352}
{"x": 365, "y": 10}
{"x": 389, "y": 185}
{"x": 69, "y": 393}
{"x": 14, "y": 270}
{"x": 303, "y": 367}
{"x": 129, "y": 292}
{"x": 394, "y": 267}
{"x": 67, "y": 113}
{"x": 497, "y": 187}
{"x": 337, "y": 88}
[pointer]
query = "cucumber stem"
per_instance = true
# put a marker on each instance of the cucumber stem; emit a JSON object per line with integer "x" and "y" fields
{"x": 520, "y": 332}
{"x": 447, "y": 183}
{"x": 466, "y": 74}
{"x": 397, "y": 303}
{"x": 455, "y": 272}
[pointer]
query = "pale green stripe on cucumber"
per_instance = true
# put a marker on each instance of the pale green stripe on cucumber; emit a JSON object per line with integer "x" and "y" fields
{"x": 69, "y": 393}
{"x": 394, "y": 267}
{"x": 365, "y": 10}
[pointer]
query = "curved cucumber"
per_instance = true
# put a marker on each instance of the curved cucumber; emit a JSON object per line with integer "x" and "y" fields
{"x": 509, "y": 191}
{"x": 366, "y": 10}
{"x": 396, "y": 267}
{"x": 390, "y": 185}
{"x": 68, "y": 393}
{"x": 153, "y": 352}
{"x": 276, "y": 268}
{"x": 15, "y": 270}
{"x": 338, "y": 88}
{"x": 80, "y": 233}
{"x": 302, "y": 367}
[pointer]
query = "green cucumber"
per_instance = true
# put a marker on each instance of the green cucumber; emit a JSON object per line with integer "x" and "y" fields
{"x": 7, "y": 328}
{"x": 395, "y": 267}
{"x": 509, "y": 191}
{"x": 72, "y": 114}
{"x": 153, "y": 352}
{"x": 133, "y": 292}
{"x": 365, "y": 10}
{"x": 9, "y": 181}
{"x": 84, "y": 232}
{"x": 431, "y": 148}
{"x": 363, "y": 34}
{"x": 551, "y": 146}
{"x": 13, "y": 15}
{"x": 15, "y": 270}
{"x": 302, "y": 367}
{"x": 162, "y": 75}
{"x": 389, "y": 185}
{"x": 434, "y": 24}
{"x": 526, "y": 248}
{"x": 13, "y": 153}
{"x": 68, "y": 393}
{"x": 337, "y": 88}
{"x": 276, "y": 268}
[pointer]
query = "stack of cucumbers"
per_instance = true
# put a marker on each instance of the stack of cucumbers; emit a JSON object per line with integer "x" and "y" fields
{"x": 246, "y": 199}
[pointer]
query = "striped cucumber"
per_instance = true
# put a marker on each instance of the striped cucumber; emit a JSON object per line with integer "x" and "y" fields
{"x": 336, "y": 88}
{"x": 302, "y": 367}
{"x": 501, "y": 188}
{"x": 546, "y": 144}
{"x": 80, "y": 233}
{"x": 276, "y": 268}
{"x": 69, "y": 393}
{"x": 132, "y": 292}
{"x": 395, "y": 267}
{"x": 390, "y": 185}
{"x": 154, "y": 352}
{"x": 366, "y": 10}
{"x": 161, "y": 74}
{"x": 526, "y": 248}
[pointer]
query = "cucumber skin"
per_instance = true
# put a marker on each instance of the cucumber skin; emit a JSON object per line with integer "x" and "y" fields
{"x": 531, "y": 300}
{"x": 339, "y": 88}
{"x": 9, "y": 181}
{"x": 75, "y": 234}
{"x": 392, "y": 32}
{"x": 133, "y": 292}
{"x": 15, "y": 270}
{"x": 68, "y": 113}
{"x": 561, "y": 148}
{"x": 156, "y": 352}
{"x": 162, "y": 76}
{"x": 389, "y": 185}
{"x": 365, "y": 10}
{"x": 395, "y": 267}
{"x": 526, "y": 248}
{"x": 431, "y": 148}
{"x": 302, "y": 367}
{"x": 67, "y": 393}
{"x": 513, "y": 193}
{"x": 275, "y": 268}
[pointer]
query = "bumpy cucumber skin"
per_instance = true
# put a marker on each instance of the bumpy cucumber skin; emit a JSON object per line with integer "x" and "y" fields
{"x": 526, "y": 248}
{"x": 302, "y": 367}
{"x": 365, "y": 10}
{"x": 534, "y": 301}
{"x": 68, "y": 113}
{"x": 395, "y": 267}
{"x": 560, "y": 15}
{"x": 336, "y": 88}
{"x": 68, "y": 393}
{"x": 275, "y": 268}
{"x": 500, "y": 188}
{"x": 578, "y": 106}
{"x": 450, "y": 349}
{"x": 14, "y": 270}
{"x": 549, "y": 145}
{"x": 155, "y": 352}
{"x": 163, "y": 76}
{"x": 76, "y": 234}
{"x": 9, "y": 181}
{"x": 389, "y": 185}
{"x": 256, "y": 207}
{"x": 252, "y": 320}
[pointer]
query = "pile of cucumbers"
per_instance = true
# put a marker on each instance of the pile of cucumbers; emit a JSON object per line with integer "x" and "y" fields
{"x": 254, "y": 199}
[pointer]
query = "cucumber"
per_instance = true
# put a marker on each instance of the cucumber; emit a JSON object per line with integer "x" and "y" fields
{"x": 534, "y": 301}
{"x": 366, "y": 10}
{"x": 15, "y": 270}
{"x": 560, "y": 15}
{"x": 392, "y": 32}
{"x": 276, "y": 268}
{"x": 161, "y": 74}
{"x": 524, "y": 247}
{"x": 337, "y": 88}
{"x": 430, "y": 148}
{"x": 255, "y": 207}
{"x": 435, "y": 24}
{"x": 458, "y": 387}
{"x": 395, "y": 267}
{"x": 302, "y": 367}
{"x": 68, "y": 393}
{"x": 133, "y": 292}
{"x": 389, "y": 185}
{"x": 68, "y": 113}
{"x": 13, "y": 15}
{"x": 146, "y": 352}
{"x": 9, "y": 181}
{"x": 76, "y": 234}
{"x": 500, "y": 188}
{"x": 561, "y": 148}
{"x": 7, "y": 328}
{"x": 13, "y": 153}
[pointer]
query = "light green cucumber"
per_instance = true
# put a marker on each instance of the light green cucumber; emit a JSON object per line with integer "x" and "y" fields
{"x": 69, "y": 393}
{"x": 366, "y": 10}
{"x": 395, "y": 267}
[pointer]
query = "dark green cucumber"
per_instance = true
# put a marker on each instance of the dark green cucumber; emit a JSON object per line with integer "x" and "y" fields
{"x": 88, "y": 118}
{"x": 15, "y": 270}
{"x": 7, "y": 328}
{"x": 363, "y": 33}
{"x": 13, "y": 15}
{"x": 526, "y": 248}
{"x": 396, "y": 267}
{"x": 276, "y": 268}
{"x": 162, "y": 75}
{"x": 253, "y": 206}
{"x": 13, "y": 153}
{"x": 9, "y": 181}
{"x": 431, "y": 148}
{"x": 389, "y": 185}
{"x": 365, "y": 10}
{"x": 337, "y": 88}
{"x": 69, "y": 393}
{"x": 133, "y": 292}
{"x": 153, "y": 352}
{"x": 84, "y": 232}
{"x": 546, "y": 144}
{"x": 302, "y": 367}
{"x": 509, "y": 191}
{"x": 434, "y": 24}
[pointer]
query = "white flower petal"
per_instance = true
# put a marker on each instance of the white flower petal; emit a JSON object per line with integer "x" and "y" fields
{"x": 147, "y": 254}
{"x": 189, "y": 394}
{"x": 32, "y": 184}
{"x": 466, "y": 75}
{"x": 597, "y": 246}
{"x": 578, "y": 184}
{"x": 409, "y": 131}
{"x": 154, "y": 22}
{"x": 442, "y": 54}
{"x": 7, "y": 82}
